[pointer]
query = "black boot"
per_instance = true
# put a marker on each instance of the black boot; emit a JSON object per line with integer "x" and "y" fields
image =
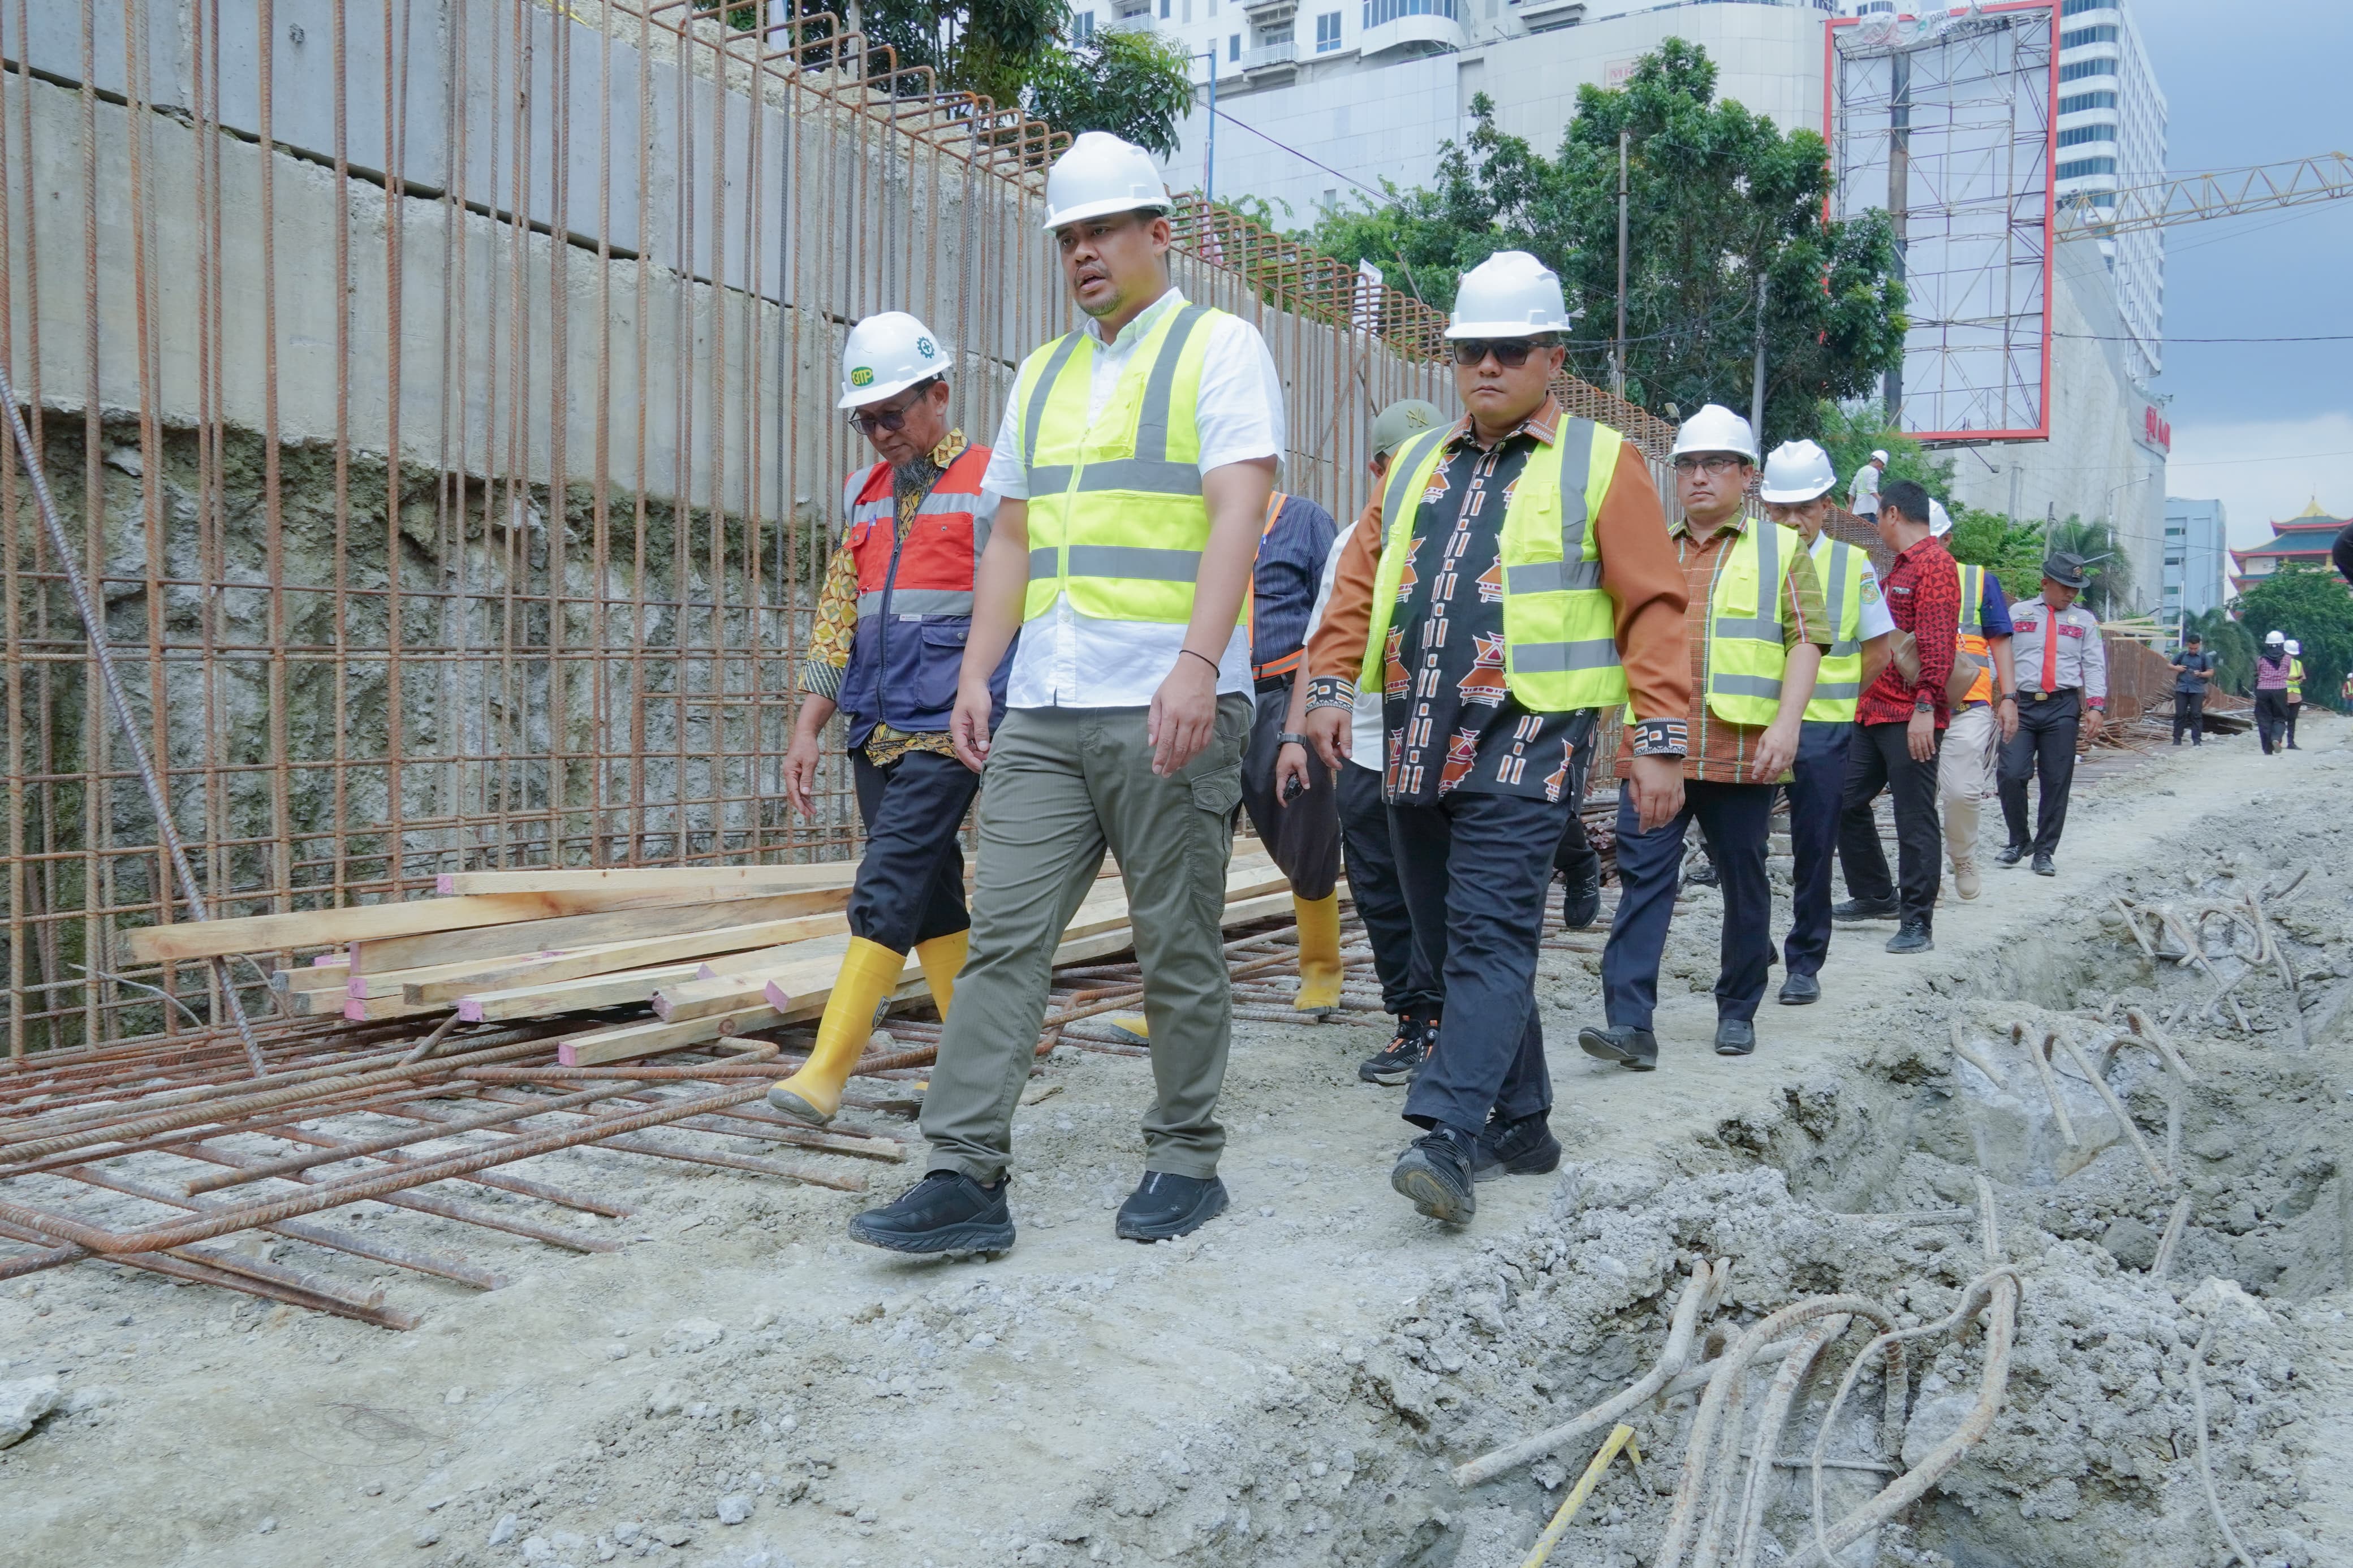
{"x": 1435, "y": 1172}
{"x": 1164, "y": 1205}
{"x": 1580, "y": 896}
{"x": 1522, "y": 1148}
{"x": 945, "y": 1211}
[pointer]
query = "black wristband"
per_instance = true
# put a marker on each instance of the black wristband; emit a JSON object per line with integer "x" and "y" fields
{"x": 1204, "y": 658}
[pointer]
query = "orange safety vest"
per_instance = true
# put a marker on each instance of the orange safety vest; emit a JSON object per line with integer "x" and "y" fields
{"x": 1292, "y": 660}
{"x": 1973, "y": 640}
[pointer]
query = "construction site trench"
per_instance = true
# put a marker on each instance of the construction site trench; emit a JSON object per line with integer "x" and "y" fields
{"x": 1304, "y": 1380}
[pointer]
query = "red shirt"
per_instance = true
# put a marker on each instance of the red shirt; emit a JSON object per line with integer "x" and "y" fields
{"x": 1924, "y": 595}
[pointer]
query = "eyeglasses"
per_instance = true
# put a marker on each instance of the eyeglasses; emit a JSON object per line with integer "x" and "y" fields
{"x": 1510, "y": 352}
{"x": 1713, "y": 463}
{"x": 893, "y": 420}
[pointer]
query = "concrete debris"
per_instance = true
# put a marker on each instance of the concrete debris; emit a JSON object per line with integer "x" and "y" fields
{"x": 22, "y": 1402}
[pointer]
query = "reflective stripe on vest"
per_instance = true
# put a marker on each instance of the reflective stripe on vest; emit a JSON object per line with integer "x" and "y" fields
{"x": 1972, "y": 636}
{"x": 1745, "y": 652}
{"x": 1116, "y": 517}
{"x": 910, "y": 582}
{"x": 1560, "y": 648}
{"x": 1840, "y": 682}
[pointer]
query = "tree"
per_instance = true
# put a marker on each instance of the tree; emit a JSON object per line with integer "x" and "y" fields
{"x": 1718, "y": 197}
{"x": 2313, "y": 607}
{"x": 1136, "y": 85}
{"x": 1851, "y": 432}
{"x": 2012, "y": 549}
{"x": 2104, "y": 557}
{"x": 2233, "y": 647}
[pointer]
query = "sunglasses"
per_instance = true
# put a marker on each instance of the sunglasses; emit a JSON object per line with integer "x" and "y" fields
{"x": 1714, "y": 463}
{"x": 893, "y": 420}
{"x": 1510, "y": 352}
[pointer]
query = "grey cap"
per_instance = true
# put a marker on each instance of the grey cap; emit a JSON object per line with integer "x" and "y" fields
{"x": 2067, "y": 569}
{"x": 1401, "y": 421}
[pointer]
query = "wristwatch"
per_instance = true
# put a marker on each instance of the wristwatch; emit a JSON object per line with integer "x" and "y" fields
{"x": 1292, "y": 738}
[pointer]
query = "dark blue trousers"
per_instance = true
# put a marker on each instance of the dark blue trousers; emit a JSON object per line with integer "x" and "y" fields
{"x": 1408, "y": 983}
{"x": 910, "y": 886}
{"x": 1483, "y": 864}
{"x": 1817, "y": 785}
{"x": 1735, "y": 820}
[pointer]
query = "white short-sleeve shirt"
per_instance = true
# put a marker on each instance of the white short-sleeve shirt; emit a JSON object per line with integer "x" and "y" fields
{"x": 1066, "y": 659}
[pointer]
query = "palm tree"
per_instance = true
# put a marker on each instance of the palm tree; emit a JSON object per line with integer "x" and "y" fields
{"x": 2103, "y": 554}
{"x": 2233, "y": 646}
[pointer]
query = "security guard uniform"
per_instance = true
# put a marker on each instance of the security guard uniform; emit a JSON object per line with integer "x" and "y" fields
{"x": 2062, "y": 668}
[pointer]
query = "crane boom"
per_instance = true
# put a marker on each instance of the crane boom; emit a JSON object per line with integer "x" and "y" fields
{"x": 2327, "y": 176}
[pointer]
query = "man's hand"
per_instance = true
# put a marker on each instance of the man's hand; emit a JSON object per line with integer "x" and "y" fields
{"x": 1291, "y": 762}
{"x": 800, "y": 772}
{"x": 2093, "y": 719}
{"x": 969, "y": 722}
{"x": 1656, "y": 787}
{"x": 1184, "y": 713}
{"x": 1920, "y": 735}
{"x": 1776, "y": 750}
{"x": 1328, "y": 729}
{"x": 2005, "y": 715}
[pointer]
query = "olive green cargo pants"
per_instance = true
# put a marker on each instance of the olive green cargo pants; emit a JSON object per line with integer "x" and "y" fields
{"x": 1062, "y": 785}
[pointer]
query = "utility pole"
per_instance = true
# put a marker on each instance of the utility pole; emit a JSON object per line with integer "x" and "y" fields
{"x": 1757, "y": 384}
{"x": 1899, "y": 180}
{"x": 1210, "y": 166}
{"x": 1617, "y": 346}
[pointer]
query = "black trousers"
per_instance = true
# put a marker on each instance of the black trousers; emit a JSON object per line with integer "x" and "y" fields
{"x": 1409, "y": 981}
{"x": 1479, "y": 862}
{"x": 910, "y": 886}
{"x": 1879, "y": 757}
{"x": 1303, "y": 836}
{"x": 2271, "y": 720}
{"x": 2188, "y": 717}
{"x": 1576, "y": 856}
{"x": 2293, "y": 709}
{"x": 2045, "y": 744}
{"x": 1817, "y": 789}
{"x": 1735, "y": 820}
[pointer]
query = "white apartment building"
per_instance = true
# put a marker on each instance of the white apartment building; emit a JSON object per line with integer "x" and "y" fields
{"x": 2111, "y": 132}
{"x": 2197, "y": 558}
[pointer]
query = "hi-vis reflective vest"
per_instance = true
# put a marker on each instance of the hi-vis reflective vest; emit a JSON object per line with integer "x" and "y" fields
{"x": 1745, "y": 651}
{"x": 1973, "y": 639}
{"x": 1840, "y": 683}
{"x": 914, "y": 596}
{"x": 2295, "y": 679}
{"x": 1116, "y": 517}
{"x": 1560, "y": 645}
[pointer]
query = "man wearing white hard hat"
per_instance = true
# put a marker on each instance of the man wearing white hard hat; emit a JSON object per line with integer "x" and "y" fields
{"x": 1796, "y": 489}
{"x": 1133, "y": 465}
{"x": 886, "y": 651}
{"x": 1863, "y": 490}
{"x": 2271, "y": 692}
{"x": 1758, "y": 630}
{"x": 2294, "y": 689}
{"x": 1519, "y": 581}
{"x": 1983, "y": 719}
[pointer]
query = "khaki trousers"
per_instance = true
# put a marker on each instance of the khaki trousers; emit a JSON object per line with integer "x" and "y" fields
{"x": 1965, "y": 777}
{"x": 1062, "y": 785}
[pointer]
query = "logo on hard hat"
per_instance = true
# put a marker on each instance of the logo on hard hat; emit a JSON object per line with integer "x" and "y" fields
{"x": 862, "y": 376}
{"x": 923, "y": 347}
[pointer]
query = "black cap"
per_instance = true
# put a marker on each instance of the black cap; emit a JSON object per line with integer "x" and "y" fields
{"x": 2067, "y": 569}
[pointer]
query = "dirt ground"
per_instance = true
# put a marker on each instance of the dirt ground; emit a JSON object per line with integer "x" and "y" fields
{"x": 739, "y": 1386}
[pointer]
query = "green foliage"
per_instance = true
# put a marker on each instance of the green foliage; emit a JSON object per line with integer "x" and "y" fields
{"x": 2110, "y": 593}
{"x": 1717, "y": 197}
{"x": 2313, "y": 607}
{"x": 2013, "y": 550}
{"x": 1135, "y": 85}
{"x": 1850, "y": 433}
{"x": 2233, "y": 646}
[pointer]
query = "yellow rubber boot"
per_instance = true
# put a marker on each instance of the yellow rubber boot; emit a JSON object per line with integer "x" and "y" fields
{"x": 1319, "y": 954}
{"x": 869, "y": 972}
{"x": 942, "y": 959}
{"x": 1132, "y": 1025}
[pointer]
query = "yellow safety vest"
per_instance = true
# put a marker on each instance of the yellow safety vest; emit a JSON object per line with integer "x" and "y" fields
{"x": 2295, "y": 680}
{"x": 1560, "y": 641}
{"x": 1973, "y": 639}
{"x": 1745, "y": 652}
{"x": 1116, "y": 517}
{"x": 1840, "y": 684}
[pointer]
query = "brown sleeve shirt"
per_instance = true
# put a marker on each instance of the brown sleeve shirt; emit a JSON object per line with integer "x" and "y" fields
{"x": 1639, "y": 570}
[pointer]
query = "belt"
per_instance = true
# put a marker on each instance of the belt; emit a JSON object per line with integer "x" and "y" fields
{"x": 1280, "y": 669}
{"x": 2045, "y": 696}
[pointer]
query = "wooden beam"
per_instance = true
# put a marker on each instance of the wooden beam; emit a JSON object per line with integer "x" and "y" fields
{"x": 300, "y": 977}
{"x": 615, "y": 990}
{"x": 423, "y": 948}
{"x": 539, "y": 969}
{"x": 737, "y": 881}
{"x": 603, "y": 1046}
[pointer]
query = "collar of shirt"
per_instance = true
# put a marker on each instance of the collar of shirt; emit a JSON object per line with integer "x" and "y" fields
{"x": 1737, "y": 524}
{"x": 950, "y": 448}
{"x": 1902, "y": 555}
{"x": 1544, "y": 425}
{"x": 1145, "y": 319}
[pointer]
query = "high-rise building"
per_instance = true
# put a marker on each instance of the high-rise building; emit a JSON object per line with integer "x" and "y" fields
{"x": 2110, "y": 129}
{"x": 2197, "y": 554}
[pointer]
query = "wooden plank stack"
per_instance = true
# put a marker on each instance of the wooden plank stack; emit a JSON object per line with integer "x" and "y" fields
{"x": 694, "y": 953}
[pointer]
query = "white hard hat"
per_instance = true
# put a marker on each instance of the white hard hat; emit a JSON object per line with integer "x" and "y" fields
{"x": 2272, "y": 636}
{"x": 1715, "y": 429}
{"x": 888, "y": 353}
{"x": 1877, "y": 456}
{"x": 1795, "y": 472}
{"x": 1940, "y": 521}
{"x": 1509, "y": 295}
{"x": 2293, "y": 646}
{"x": 1100, "y": 175}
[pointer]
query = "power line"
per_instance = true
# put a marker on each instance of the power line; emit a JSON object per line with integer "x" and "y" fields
{"x": 2128, "y": 337}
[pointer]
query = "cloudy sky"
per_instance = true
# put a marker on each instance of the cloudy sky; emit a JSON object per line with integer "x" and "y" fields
{"x": 2264, "y": 426}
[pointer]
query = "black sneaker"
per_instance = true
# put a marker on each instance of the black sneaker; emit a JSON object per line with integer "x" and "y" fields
{"x": 1912, "y": 937}
{"x": 1164, "y": 1205}
{"x": 2012, "y": 854}
{"x": 2043, "y": 865}
{"x": 1636, "y": 1049}
{"x": 947, "y": 1211}
{"x": 1435, "y": 1172}
{"x": 1867, "y": 910}
{"x": 1580, "y": 897}
{"x": 1522, "y": 1148}
{"x": 1401, "y": 1059}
